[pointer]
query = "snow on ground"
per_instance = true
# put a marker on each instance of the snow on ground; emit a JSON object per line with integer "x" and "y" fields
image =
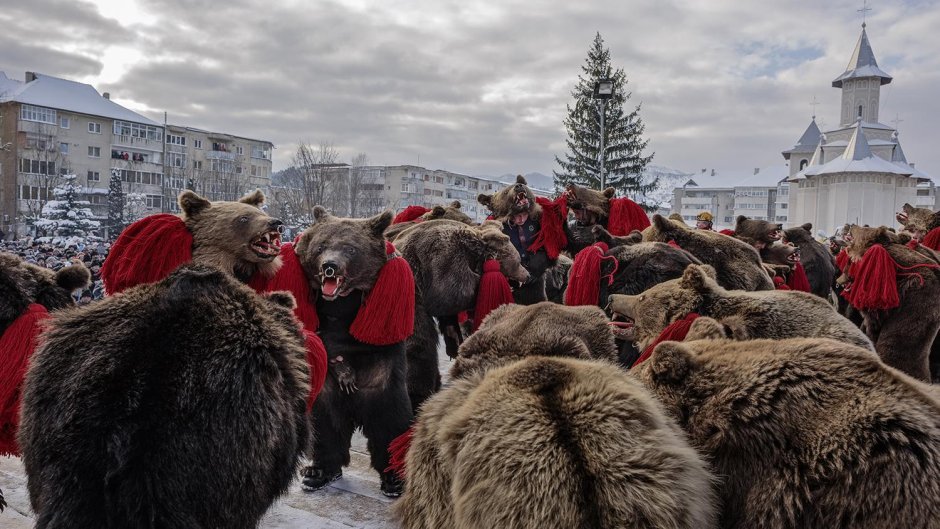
{"x": 351, "y": 502}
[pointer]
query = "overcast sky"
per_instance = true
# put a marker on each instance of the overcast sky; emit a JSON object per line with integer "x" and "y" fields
{"x": 481, "y": 87}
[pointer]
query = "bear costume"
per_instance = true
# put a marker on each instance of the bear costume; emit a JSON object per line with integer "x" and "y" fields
{"x": 180, "y": 403}
{"x": 809, "y": 433}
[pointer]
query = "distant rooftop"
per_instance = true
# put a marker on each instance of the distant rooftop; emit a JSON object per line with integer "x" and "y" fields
{"x": 862, "y": 64}
{"x": 764, "y": 177}
{"x": 857, "y": 158}
{"x": 807, "y": 141}
{"x": 171, "y": 128}
{"x": 62, "y": 94}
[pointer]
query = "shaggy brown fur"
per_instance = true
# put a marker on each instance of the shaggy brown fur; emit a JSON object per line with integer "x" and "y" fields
{"x": 737, "y": 264}
{"x": 820, "y": 265}
{"x": 175, "y": 404}
{"x": 450, "y": 212}
{"x": 807, "y": 433}
{"x": 556, "y": 279}
{"x": 918, "y": 221}
{"x": 776, "y": 314}
{"x": 758, "y": 233}
{"x": 223, "y": 233}
{"x": 589, "y": 208}
{"x": 512, "y": 332}
{"x": 517, "y": 198}
{"x": 22, "y": 283}
{"x": 552, "y": 442}
{"x": 612, "y": 241}
{"x": 905, "y": 335}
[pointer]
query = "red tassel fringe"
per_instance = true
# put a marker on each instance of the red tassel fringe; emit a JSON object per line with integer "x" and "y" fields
{"x": 798, "y": 279}
{"x": 387, "y": 314}
{"x": 493, "y": 292}
{"x": 626, "y": 216}
{"x": 584, "y": 283}
{"x": 290, "y": 277}
{"x": 932, "y": 240}
{"x": 409, "y": 214}
{"x": 552, "y": 232}
{"x": 779, "y": 284}
{"x": 17, "y": 345}
{"x": 874, "y": 283}
{"x": 729, "y": 233}
{"x": 146, "y": 252}
{"x": 316, "y": 360}
{"x": 398, "y": 452}
{"x": 675, "y": 332}
{"x": 842, "y": 260}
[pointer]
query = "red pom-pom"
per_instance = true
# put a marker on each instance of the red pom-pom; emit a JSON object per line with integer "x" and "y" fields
{"x": 493, "y": 291}
{"x": 17, "y": 345}
{"x": 292, "y": 278}
{"x": 729, "y": 233}
{"x": 146, "y": 252}
{"x": 387, "y": 314}
{"x": 842, "y": 260}
{"x": 551, "y": 232}
{"x": 675, "y": 332}
{"x": 932, "y": 240}
{"x": 874, "y": 281}
{"x": 398, "y": 452}
{"x": 316, "y": 360}
{"x": 584, "y": 279}
{"x": 798, "y": 279}
{"x": 409, "y": 214}
{"x": 626, "y": 216}
{"x": 779, "y": 284}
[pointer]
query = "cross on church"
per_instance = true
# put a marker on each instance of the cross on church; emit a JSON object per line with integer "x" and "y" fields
{"x": 864, "y": 11}
{"x": 897, "y": 120}
{"x": 814, "y": 104}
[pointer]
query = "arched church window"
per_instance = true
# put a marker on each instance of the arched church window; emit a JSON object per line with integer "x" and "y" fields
{"x": 860, "y": 110}
{"x": 803, "y": 163}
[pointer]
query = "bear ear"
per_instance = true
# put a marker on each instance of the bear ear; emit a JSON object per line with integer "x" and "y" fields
{"x": 486, "y": 200}
{"x": 671, "y": 363}
{"x": 695, "y": 278}
{"x": 907, "y": 208}
{"x": 438, "y": 211}
{"x": 662, "y": 224}
{"x": 73, "y": 277}
{"x": 455, "y": 204}
{"x": 255, "y": 198}
{"x": 320, "y": 214}
{"x": 521, "y": 180}
{"x": 635, "y": 237}
{"x": 192, "y": 204}
{"x": 882, "y": 235}
{"x": 378, "y": 223}
{"x": 739, "y": 220}
{"x": 282, "y": 298}
{"x": 706, "y": 328}
{"x": 609, "y": 192}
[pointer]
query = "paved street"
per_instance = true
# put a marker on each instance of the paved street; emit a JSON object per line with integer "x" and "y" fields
{"x": 353, "y": 501}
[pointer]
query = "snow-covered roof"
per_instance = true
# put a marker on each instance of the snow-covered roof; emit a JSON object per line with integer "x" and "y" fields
{"x": 765, "y": 177}
{"x": 862, "y": 64}
{"x": 865, "y": 125}
{"x": 807, "y": 141}
{"x": 857, "y": 158}
{"x": 897, "y": 155}
{"x": 62, "y": 94}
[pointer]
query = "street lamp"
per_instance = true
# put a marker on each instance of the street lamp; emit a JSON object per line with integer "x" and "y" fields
{"x": 603, "y": 90}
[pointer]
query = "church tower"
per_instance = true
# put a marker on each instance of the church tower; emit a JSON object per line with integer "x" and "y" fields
{"x": 861, "y": 84}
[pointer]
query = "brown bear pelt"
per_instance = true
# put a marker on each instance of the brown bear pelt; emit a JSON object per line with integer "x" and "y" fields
{"x": 737, "y": 263}
{"x": 235, "y": 237}
{"x": 589, "y": 207}
{"x": 903, "y": 336}
{"x": 820, "y": 265}
{"x": 807, "y": 433}
{"x": 368, "y": 385}
{"x": 757, "y": 233}
{"x": 775, "y": 314}
{"x": 552, "y": 442}
{"x": 451, "y": 211}
{"x": 512, "y": 332}
{"x": 22, "y": 283}
{"x": 175, "y": 404}
{"x": 447, "y": 260}
{"x": 509, "y": 201}
{"x": 918, "y": 221}
{"x": 556, "y": 279}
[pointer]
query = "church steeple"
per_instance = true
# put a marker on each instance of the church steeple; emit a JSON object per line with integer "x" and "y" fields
{"x": 861, "y": 84}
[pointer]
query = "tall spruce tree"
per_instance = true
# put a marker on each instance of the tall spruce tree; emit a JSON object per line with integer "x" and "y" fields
{"x": 115, "y": 204}
{"x": 624, "y": 161}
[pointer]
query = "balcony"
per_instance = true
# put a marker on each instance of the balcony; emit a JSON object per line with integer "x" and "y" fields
{"x": 221, "y": 155}
{"x": 176, "y": 148}
{"x": 34, "y": 127}
{"x": 135, "y": 142}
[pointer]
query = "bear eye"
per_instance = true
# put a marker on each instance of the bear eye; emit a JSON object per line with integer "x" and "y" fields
{"x": 320, "y": 248}
{"x": 243, "y": 219}
{"x": 352, "y": 250}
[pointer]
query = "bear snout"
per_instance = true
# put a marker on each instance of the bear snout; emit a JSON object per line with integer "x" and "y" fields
{"x": 276, "y": 225}
{"x": 330, "y": 269}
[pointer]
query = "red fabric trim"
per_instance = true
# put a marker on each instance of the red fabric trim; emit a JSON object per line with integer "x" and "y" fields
{"x": 729, "y": 233}
{"x": 17, "y": 345}
{"x": 675, "y": 332}
{"x": 387, "y": 314}
{"x": 584, "y": 283}
{"x": 410, "y": 213}
{"x": 146, "y": 252}
{"x": 798, "y": 279}
{"x": 932, "y": 240}
{"x": 626, "y": 216}
{"x": 551, "y": 234}
{"x": 492, "y": 292}
{"x": 398, "y": 452}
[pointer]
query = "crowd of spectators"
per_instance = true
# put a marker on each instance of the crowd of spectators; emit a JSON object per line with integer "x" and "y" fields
{"x": 59, "y": 252}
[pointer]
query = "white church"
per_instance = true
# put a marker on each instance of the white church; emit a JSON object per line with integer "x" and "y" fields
{"x": 856, "y": 173}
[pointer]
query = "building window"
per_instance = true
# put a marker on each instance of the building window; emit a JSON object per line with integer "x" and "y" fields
{"x": 94, "y": 128}
{"x": 197, "y": 164}
{"x": 860, "y": 111}
{"x": 427, "y": 192}
{"x": 176, "y": 140}
{"x": 239, "y": 149}
{"x": 64, "y": 122}
{"x": 136, "y": 130}
{"x": 94, "y": 176}
{"x": 197, "y": 144}
{"x": 238, "y": 169}
{"x": 154, "y": 201}
{"x": 40, "y": 114}
{"x": 439, "y": 179}
{"x": 64, "y": 147}
{"x": 94, "y": 152}
{"x": 803, "y": 164}
{"x": 177, "y": 159}
{"x": 254, "y": 170}
{"x": 37, "y": 167}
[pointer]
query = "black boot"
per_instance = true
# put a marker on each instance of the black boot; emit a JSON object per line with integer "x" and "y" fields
{"x": 392, "y": 485}
{"x": 316, "y": 478}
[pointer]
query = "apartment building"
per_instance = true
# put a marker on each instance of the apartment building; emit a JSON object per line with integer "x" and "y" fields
{"x": 761, "y": 195}
{"x": 51, "y": 126}
{"x": 411, "y": 185}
